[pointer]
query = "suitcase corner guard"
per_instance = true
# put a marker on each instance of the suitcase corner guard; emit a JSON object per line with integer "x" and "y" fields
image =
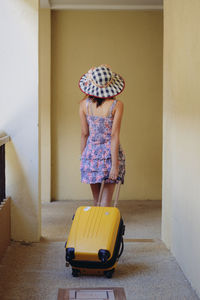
{"x": 70, "y": 254}
{"x": 103, "y": 255}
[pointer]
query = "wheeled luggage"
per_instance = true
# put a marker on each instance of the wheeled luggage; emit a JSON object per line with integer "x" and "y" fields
{"x": 95, "y": 241}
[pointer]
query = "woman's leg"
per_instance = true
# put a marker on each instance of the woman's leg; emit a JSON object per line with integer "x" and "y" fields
{"x": 107, "y": 194}
{"x": 95, "y": 191}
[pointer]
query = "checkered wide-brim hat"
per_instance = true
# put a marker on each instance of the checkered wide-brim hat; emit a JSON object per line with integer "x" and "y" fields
{"x": 101, "y": 82}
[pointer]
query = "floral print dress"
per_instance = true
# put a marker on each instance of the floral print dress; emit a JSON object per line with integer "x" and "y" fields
{"x": 96, "y": 158}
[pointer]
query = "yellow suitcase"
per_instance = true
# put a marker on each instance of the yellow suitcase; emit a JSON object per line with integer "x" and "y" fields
{"x": 95, "y": 241}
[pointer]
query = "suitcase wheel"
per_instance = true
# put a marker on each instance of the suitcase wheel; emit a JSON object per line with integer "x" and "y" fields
{"x": 109, "y": 273}
{"x": 75, "y": 272}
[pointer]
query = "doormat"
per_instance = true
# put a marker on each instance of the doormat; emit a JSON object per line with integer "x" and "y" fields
{"x": 112, "y": 293}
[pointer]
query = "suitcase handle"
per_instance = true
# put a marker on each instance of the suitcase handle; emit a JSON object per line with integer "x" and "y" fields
{"x": 119, "y": 179}
{"x": 122, "y": 248}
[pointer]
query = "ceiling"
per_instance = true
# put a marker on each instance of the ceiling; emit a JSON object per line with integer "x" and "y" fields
{"x": 102, "y": 4}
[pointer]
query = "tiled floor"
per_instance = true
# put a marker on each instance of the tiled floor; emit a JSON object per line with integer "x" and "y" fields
{"x": 146, "y": 270}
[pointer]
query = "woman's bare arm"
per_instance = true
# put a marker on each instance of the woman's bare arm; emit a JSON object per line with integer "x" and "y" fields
{"x": 84, "y": 126}
{"x": 115, "y": 140}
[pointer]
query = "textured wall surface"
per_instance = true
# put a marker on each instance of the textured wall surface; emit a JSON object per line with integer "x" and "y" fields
{"x": 19, "y": 113}
{"x": 181, "y": 127}
{"x": 131, "y": 42}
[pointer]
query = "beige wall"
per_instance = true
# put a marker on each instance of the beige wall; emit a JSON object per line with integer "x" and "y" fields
{"x": 181, "y": 135}
{"x": 19, "y": 113}
{"x": 131, "y": 42}
{"x": 45, "y": 102}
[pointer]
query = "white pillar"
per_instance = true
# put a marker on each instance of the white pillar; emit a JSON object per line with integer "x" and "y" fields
{"x": 19, "y": 113}
{"x": 181, "y": 135}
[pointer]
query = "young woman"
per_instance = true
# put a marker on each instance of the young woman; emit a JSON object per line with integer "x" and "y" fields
{"x": 101, "y": 115}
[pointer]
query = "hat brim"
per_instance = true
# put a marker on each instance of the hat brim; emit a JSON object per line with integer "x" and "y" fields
{"x": 115, "y": 88}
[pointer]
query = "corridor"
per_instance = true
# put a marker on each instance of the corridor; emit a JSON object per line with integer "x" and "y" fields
{"x": 146, "y": 270}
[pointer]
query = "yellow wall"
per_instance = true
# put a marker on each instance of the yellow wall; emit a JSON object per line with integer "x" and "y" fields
{"x": 45, "y": 103}
{"x": 181, "y": 135}
{"x": 131, "y": 42}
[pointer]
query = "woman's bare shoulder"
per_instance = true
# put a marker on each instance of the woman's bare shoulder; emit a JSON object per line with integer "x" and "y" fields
{"x": 119, "y": 105}
{"x": 120, "y": 102}
{"x": 82, "y": 106}
{"x": 83, "y": 101}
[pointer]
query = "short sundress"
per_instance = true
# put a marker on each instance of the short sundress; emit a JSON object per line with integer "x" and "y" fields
{"x": 96, "y": 159}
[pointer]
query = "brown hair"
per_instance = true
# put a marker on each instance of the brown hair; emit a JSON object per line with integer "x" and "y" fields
{"x": 98, "y": 101}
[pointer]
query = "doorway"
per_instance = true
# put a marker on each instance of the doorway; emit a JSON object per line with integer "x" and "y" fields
{"x": 131, "y": 42}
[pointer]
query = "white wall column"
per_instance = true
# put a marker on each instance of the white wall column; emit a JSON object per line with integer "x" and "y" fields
{"x": 181, "y": 135}
{"x": 19, "y": 113}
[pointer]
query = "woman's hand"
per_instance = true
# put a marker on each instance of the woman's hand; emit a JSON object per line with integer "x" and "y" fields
{"x": 114, "y": 172}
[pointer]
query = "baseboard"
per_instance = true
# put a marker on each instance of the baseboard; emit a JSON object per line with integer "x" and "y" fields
{"x": 4, "y": 226}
